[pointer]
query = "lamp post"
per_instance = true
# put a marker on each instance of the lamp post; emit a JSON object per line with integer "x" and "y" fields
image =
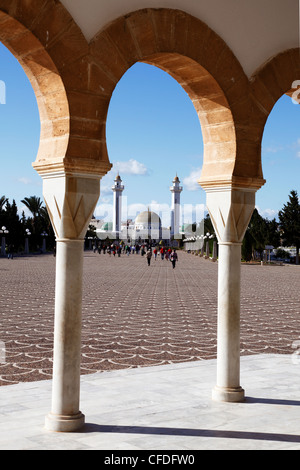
{"x": 4, "y": 232}
{"x": 214, "y": 249}
{"x": 44, "y": 235}
{"x": 27, "y": 234}
{"x": 207, "y": 245}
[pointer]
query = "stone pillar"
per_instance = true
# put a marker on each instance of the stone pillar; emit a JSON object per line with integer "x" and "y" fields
{"x": 176, "y": 190}
{"x": 70, "y": 202}
{"x": 118, "y": 189}
{"x": 230, "y": 210}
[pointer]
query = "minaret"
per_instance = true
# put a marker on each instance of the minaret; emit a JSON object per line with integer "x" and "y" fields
{"x": 175, "y": 209}
{"x": 118, "y": 188}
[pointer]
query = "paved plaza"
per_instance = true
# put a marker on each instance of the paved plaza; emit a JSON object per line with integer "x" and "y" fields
{"x": 135, "y": 315}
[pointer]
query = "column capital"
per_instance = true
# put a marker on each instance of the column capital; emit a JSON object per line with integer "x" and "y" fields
{"x": 230, "y": 210}
{"x": 211, "y": 183}
{"x": 83, "y": 166}
{"x": 70, "y": 201}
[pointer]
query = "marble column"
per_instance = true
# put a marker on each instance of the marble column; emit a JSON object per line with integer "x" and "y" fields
{"x": 230, "y": 210}
{"x": 70, "y": 202}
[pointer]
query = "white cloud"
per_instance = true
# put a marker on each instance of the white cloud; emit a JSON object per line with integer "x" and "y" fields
{"x": 25, "y": 180}
{"x": 267, "y": 213}
{"x": 298, "y": 145}
{"x": 24, "y": 209}
{"x": 134, "y": 209}
{"x": 105, "y": 189}
{"x": 104, "y": 211}
{"x": 106, "y": 199}
{"x": 191, "y": 181}
{"x": 131, "y": 167}
{"x": 273, "y": 149}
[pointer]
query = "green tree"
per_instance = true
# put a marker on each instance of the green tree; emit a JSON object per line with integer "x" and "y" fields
{"x": 208, "y": 226}
{"x": 260, "y": 232}
{"x": 34, "y": 205}
{"x": 11, "y": 220}
{"x": 3, "y": 201}
{"x": 39, "y": 222}
{"x": 247, "y": 246}
{"x": 289, "y": 221}
{"x": 272, "y": 233}
{"x": 257, "y": 233}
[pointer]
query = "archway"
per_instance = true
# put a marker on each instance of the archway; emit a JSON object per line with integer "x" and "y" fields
{"x": 280, "y": 147}
{"x": 153, "y": 133}
{"x": 273, "y": 80}
{"x": 188, "y": 50}
{"x": 204, "y": 66}
{"x": 74, "y": 82}
{"x": 284, "y": 70}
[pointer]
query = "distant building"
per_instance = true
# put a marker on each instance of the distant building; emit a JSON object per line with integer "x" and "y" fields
{"x": 147, "y": 225}
{"x": 118, "y": 189}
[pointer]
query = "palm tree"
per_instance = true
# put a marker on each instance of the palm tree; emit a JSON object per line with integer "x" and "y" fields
{"x": 34, "y": 205}
{"x": 3, "y": 201}
{"x": 45, "y": 218}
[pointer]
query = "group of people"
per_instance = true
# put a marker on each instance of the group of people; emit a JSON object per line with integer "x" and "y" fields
{"x": 145, "y": 250}
{"x": 169, "y": 254}
{"x": 117, "y": 249}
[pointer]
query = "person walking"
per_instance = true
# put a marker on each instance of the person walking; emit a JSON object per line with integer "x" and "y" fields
{"x": 10, "y": 252}
{"x": 149, "y": 255}
{"x": 174, "y": 258}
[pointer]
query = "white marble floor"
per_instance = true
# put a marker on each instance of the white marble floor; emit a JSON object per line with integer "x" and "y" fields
{"x": 166, "y": 408}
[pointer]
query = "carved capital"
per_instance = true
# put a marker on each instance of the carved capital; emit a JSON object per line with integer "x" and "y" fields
{"x": 71, "y": 201}
{"x": 230, "y": 211}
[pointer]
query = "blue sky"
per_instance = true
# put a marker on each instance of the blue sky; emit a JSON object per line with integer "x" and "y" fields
{"x": 153, "y": 132}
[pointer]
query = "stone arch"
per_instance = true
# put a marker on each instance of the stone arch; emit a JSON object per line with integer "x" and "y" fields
{"x": 46, "y": 83}
{"x": 272, "y": 80}
{"x": 204, "y": 65}
{"x": 54, "y": 54}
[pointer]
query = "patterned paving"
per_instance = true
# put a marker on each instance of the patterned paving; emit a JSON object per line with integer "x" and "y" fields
{"x": 135, "y": 315}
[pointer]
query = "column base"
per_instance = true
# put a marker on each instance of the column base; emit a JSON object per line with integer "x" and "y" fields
{"x": 231, "y": 395}
{"x": 61, "y": 423}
